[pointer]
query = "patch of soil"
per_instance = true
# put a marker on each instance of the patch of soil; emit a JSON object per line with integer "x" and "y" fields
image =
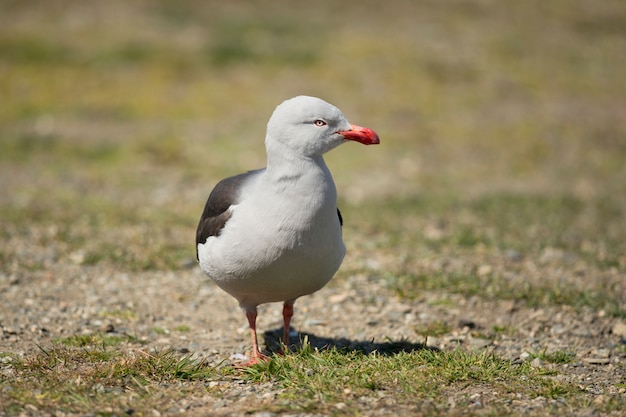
{"x": 186, "y": 311}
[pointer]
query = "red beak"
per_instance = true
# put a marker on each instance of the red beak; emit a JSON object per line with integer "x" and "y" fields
{"x": 360, "y": 134}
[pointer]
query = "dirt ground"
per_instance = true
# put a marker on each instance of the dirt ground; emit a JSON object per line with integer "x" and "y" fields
{"x": 184, "y": 311}
{"x": 122, "y": 115}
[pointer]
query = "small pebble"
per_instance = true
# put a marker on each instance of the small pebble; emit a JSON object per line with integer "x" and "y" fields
{"x": 264, "y": 414}
{"x": 619, "y": 329}
{"x": 601, "y": 353}
{"x": 513, "y": 255}
{"x": 484, "y": 270}
{"x": 597, "y": 361}
{"x": 479, "y": 343}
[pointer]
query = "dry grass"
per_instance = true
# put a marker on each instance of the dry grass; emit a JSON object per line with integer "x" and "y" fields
{"x": 503, "y": 133}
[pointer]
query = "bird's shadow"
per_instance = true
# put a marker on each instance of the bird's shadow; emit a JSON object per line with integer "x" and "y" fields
{"x": 273, "y": 343}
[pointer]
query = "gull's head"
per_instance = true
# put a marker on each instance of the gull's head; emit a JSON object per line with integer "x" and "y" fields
{"x": 310, "y": 126}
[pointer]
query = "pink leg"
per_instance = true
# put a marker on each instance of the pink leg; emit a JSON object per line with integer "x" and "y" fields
{"x": 287, "y": 314}
{"x": 256, "y": 354}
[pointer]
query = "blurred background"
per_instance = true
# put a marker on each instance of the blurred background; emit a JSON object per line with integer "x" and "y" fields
{"x": 503, "y": 124}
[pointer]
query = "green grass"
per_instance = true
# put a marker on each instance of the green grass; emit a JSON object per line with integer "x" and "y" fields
{"x": 95, "y": 377}
{"x": 500, "y": 176}
{"x": 321, "y": 380}
{"x": 558, "y": 356}
{"x": 90, "y": 376}
{"x": 497, "y": 288}
{"x": 434, "y": 329}
{"x": 183, "y": 328}
{"x": 527, "y": 223}
{"x": 104, "y": 340}
{"x": 511, "y": 235}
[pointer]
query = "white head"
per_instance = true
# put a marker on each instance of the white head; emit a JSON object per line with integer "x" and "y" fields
{"x": 311, "y": 127}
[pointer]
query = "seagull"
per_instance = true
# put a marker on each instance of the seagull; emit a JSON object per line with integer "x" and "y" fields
{"x": 274, "y": 234}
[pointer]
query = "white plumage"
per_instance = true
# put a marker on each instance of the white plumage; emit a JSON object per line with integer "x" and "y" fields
{"x": 275, "y": 234}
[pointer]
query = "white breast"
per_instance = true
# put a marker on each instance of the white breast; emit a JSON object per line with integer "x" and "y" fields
{"x": 282, "y": 241}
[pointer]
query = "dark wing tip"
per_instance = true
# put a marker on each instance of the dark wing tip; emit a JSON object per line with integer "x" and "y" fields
{"x": 216, "y": 213}
{"x": 210, "y": 226}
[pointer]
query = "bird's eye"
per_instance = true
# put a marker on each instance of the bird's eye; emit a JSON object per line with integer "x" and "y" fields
{"x": 320, "y": 123}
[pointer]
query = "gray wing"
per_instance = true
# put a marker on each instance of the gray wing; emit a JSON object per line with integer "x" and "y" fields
{"x": 216, "y": 214}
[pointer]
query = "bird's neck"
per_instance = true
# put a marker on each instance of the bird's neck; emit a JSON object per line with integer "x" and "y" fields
{"x": 282, "y": 162}
{"x": 298, "y": 177}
